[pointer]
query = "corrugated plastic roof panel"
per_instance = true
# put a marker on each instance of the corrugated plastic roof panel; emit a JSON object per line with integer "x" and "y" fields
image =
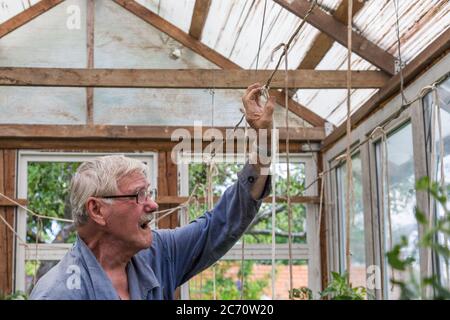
{"x": 177, "y": 12}
{"x": 233, "y": 29}
{"x": 10, "y": 8}
{"x": 420, "y": 23}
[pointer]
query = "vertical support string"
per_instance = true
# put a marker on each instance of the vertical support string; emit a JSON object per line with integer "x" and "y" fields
{"x": 274, "y": 192}
{"x": 348, "y": 151}
{"x": 288, "y": 175}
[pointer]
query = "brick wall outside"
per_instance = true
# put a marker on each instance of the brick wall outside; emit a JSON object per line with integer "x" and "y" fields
{"x": 300, "y": 279}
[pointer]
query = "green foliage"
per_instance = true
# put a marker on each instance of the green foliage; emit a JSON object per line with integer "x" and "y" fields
{"x": 411, "y": 289}
{"x": 226, "y": 175}
{"x": 19, "y": 295}
{"x": 340, "y": 288}
{"x": 394, "y": 258}
{"x": 48, "y": 192}
{"x": 228, "y": 288}
{"x": 302, "y": 293}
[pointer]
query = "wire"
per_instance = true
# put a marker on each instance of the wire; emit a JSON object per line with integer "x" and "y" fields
{"x": 400, "y": 59}
{"x": 288, "y": 44}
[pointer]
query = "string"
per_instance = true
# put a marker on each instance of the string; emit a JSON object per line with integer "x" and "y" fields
{"x": 348, "y": 203}
{"x": 384, "y": 124}
{"x": 288, "y": 178}
{"x": 400, "y": 59}
{"x": 288, "y": 45}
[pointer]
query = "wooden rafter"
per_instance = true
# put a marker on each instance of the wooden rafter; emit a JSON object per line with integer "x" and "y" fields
{"x": 412, "y": 70}
{"x": 338, "y": 31}
{"x": 323, "y": 43}
{"x": 210, "y": 54}
{"x": 165, "y": 133}
{"x": 184, "y": 78}
{"x": 199, "y": 16}
{"x": 27, "y": 15}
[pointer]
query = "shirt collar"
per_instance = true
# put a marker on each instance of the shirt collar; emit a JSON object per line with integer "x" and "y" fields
{"x": 140, "y": 275}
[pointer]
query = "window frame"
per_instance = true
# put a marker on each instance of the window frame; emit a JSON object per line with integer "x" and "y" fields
{"x": 392, "y": 129}
{"x": 53, "y": 251}
{"x": 340, "y": 225}
{"x": 428, "y": 102}
{"x": 309, "y": 251}
{"x": 414, "y": 114}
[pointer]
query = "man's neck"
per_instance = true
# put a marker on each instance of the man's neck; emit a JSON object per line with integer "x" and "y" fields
{"x": 113, "y": 256}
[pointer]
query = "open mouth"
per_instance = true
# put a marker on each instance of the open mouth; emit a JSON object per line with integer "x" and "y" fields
{"x": 144, "y": 225}
{"x": 145, "y": 222}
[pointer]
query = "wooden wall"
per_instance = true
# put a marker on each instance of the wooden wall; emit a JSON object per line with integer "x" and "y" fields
{"x": 7, "y": 187}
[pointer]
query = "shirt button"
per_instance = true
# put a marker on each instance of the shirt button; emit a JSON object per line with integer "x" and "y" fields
{"x": 251, "y": 179}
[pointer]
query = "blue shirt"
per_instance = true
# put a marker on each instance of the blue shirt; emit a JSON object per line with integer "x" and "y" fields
{"x": 174, "y": 257}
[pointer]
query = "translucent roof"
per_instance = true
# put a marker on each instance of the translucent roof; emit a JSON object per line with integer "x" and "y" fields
{"x": 233, "y": 27}
{"x": 10, "y": 8}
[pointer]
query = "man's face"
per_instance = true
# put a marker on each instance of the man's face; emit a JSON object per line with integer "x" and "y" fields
{"x": 124, "y": 217}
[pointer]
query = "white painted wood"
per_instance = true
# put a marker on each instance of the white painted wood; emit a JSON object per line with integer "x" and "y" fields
{"x": 263, "y": 252}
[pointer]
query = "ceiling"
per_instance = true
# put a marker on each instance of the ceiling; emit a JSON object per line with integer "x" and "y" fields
{"x": 233, "y": 29}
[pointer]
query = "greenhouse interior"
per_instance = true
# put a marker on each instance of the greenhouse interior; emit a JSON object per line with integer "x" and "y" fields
{"x": 225, "y": 149}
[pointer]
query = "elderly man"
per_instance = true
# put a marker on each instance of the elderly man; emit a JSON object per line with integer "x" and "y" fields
{"x": 117, "y": 256}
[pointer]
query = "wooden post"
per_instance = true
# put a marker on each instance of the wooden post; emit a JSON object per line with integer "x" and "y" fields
{"x": 323, "y": 226}
{"x": 167, "y": 186}
{"x": 7, "y": 186}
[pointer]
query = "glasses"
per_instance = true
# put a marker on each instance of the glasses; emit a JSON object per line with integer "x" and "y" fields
{"x": 141, "y": 196}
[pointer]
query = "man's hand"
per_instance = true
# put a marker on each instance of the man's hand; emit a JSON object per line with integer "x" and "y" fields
{"x": 258, "y": 116}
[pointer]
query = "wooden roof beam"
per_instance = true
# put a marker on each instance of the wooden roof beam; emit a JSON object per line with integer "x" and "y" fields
{"x": 117, "y": 132}
{"x": 338, "y": 31}
{"x": 210, "y": 54}
{"x": 183, "y": 78}
{"x": 412, "y": 70}
{"x": 199, "y": 16}
{"x": 27, "y": 15}
{"x": 323, "y": 43}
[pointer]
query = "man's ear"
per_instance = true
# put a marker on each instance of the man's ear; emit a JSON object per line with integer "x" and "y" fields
{"x": 95, "y": 212}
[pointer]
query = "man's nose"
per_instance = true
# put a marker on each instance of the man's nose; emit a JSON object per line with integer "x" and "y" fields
{"x": 150, "y": 205}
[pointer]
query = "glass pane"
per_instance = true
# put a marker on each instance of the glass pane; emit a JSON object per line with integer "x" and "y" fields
{"x": 357, "y": 240}
{"x": 257, "y": 280}
{"x": 48, "y": 194}
{"x": 441, "y": 266}
{"x": 261, "y": 228}
{"x": 401, "y": 202}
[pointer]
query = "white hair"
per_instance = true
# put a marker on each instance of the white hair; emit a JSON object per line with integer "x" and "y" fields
{"x": 99, "y": 177}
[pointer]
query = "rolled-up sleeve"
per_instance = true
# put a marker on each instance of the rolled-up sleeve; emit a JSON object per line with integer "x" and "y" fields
{"x": 202, "y": 242}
